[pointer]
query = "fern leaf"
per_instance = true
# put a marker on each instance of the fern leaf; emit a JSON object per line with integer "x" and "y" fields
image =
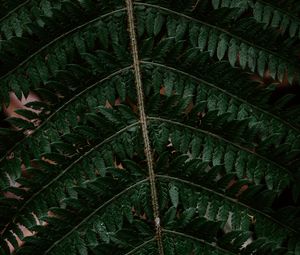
{"x": 162, "y": 127}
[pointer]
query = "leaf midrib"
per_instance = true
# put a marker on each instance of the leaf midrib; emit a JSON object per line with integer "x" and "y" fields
{"x": 143, "y": 121}
{"x": 14, "y": 10}
{"x": 140, "y": 246}
{"x": 197, "y": 240}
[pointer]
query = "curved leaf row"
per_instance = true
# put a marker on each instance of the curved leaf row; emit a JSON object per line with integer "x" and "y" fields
{"x": 219, "y": 108}
{"x": 15, "y": 23}
{"x": 65, "y": 121}
{"x": 77, "y": 69}
{"x": 242, "y": 163}
{"x": 169, "y": 43}
{"x": 266, "y": 13}
{"x": 218, "y": 41}
{"x": 9, "y": 6}
{"x": 55, "y": 139}
{"x": 54, "y": 173}
{"x": 44, "y": 63}
{"x": 69, "y": 65}
{"x": 78, "y": 175}
{"x": 31, "y": 17}
{"x": 36, "y": 54}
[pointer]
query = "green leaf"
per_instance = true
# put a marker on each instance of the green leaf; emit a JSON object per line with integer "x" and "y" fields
{"x": 229, "y": 160}
{"x": 170, "y": 216}
{"x": 261, "y": 63}
{"x": 285, "y": 22}
{"x": 273, "y": 64}
{"x": 203, "y": 38}
{"x": 20, "y": 123}
{"x": 216, "y": 3}
{"x": 267, "y": 15}
{"x": 294, "y": 26}
{"x": 180, "y": 30}
{"x": 276, "y": 19}
{"x": 150, "y": 19}
{"x": 163, "y": 47}
{"x": 252, "y": 59}
{"x": 193, "y": 35}
{"x": 233, "y": 52}
{"x": 101, "y": 229}
{"x": 212, "y": 42}
{"x": 222, "y": 47}
{"x": 29, "y": 114}
{"x": 158, "y": 23}
{"x": 174, "y": 195}
{"x": 258, "y": 11}
{"x": 187, "y": 216}
{"x": 243, "y": 55}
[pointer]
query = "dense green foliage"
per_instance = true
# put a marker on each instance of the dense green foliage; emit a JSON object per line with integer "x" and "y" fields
{"x": 220, "y": 83}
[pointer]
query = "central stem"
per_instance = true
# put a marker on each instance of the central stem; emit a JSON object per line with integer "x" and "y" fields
{"x": 143, "y": 121}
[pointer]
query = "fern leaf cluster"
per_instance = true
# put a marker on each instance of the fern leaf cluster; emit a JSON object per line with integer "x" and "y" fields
{"x": 163, "y": 127}
{"x": 268, "y": 13}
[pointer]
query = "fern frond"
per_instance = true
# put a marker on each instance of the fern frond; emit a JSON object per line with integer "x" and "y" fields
{"x": 216, "y": 108}
{"x": 37, "y": 65}
{"x": 158, "y": 128}
{"x": 272, "y": 174}
{"x": 213, "y": 211}
{"x": 212, "y": 38}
